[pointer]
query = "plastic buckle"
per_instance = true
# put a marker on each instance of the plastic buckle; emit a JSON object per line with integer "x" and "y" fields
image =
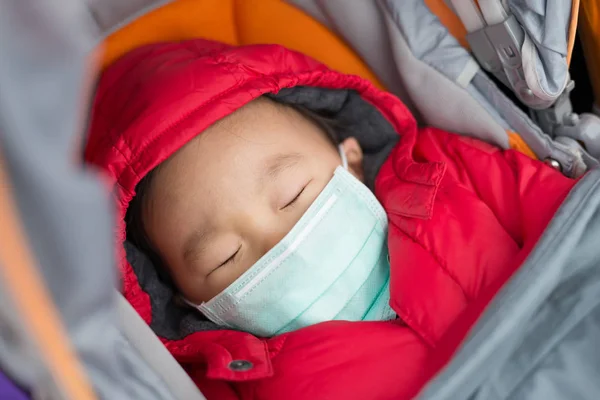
{"x": 484, "y": 51}
{"x": 498, "y": 46}
{"x": 559, "y": 114}
{"x": 585, "y": 131}
{"x": 498, "y": 49}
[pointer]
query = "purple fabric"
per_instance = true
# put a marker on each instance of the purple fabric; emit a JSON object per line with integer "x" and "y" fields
{"x": 9, "y": 391}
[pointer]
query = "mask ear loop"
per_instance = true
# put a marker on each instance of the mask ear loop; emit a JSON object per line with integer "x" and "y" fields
{"x": 205, "y": 312}
{"x": 343, "y": 157}
{"x": 189, "y": 303}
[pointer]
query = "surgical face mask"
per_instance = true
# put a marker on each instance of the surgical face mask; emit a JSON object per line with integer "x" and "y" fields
{"x": 332, "y": 265}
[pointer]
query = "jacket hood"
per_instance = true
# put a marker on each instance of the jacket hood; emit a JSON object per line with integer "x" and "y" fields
{"x": 155, "y": 99}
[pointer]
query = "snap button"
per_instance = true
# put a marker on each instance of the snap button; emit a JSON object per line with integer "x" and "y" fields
{"x": 240, "y": 365}
{"x": 553, "y": 163}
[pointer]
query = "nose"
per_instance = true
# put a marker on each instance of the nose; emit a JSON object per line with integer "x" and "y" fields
{"x": 269, "y": 237}
{"x": 264, "y": 231}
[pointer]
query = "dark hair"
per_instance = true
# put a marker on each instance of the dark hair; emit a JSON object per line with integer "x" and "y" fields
{"x": 134, "y": 224}
{"x": 134, "y": 221}
{"x": 327, "y": 124}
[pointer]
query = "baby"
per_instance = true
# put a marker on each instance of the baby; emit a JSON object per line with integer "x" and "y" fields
{"x": 277, "y": 196}
{"x": 264, "y": 224}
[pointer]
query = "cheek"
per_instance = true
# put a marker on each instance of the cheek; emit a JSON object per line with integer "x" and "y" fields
{"x": 214, "y": 285}
{"x": 164, "y": 241}
{"x": 325, "y": 165}
{"x": 219, "y": 281}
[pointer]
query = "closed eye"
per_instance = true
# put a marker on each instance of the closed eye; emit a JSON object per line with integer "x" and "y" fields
{"x": 294, "y": 199}
{"x": 230, "y": 259}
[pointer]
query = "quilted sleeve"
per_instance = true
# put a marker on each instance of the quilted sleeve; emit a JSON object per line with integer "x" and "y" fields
{"x": 522, "y": 192}
{"x": 489, "y": 209}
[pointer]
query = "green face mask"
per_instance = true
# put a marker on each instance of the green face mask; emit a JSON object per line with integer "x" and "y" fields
{"x": 333, "y": 265}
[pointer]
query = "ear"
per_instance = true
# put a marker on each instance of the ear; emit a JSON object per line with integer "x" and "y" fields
{"x": 354, "y": 155}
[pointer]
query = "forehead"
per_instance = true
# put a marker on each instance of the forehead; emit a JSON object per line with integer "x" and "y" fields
{"x": 250, "y": 134}
{"x": 229, "y": 155}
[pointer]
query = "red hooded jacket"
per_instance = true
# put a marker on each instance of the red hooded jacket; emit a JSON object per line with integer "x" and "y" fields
{"x": 462, "y": 217}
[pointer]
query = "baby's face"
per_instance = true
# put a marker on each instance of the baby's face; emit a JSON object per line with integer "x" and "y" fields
{"x": 232, "y": 193}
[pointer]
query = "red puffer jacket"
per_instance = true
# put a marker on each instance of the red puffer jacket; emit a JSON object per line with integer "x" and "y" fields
{"x": 463, "y": 215}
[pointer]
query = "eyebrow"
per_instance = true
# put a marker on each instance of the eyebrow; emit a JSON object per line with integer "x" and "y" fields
{"x": 279, "y": 163}
{"x": 195, "y": 243}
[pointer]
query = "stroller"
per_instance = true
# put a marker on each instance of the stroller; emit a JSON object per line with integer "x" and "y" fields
{"x": 67, "y": 334}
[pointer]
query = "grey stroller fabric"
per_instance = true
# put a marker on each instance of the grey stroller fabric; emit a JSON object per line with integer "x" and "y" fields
{"x": 417, "y": 58}
{"x": 540, "y": 337}
{"x": 538, "y": 340}
{"x": 535, "y": 31}
{"x": 65, "y": 209}
{"x": 146, "y": 344}
{"x": 110, "y": 15}
{"x": 546, "y": 23}
{"x": 414, "y": 77}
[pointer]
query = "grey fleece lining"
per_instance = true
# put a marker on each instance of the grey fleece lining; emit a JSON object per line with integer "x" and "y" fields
{"x": 352, "y": 117}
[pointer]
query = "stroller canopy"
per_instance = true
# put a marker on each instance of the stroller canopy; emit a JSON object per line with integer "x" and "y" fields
{"x": 69, "y": 334}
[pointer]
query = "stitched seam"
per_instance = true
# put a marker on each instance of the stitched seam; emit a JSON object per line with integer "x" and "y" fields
{"x": 267, "y": 356}
{"x": 283, "y": 340}
{"x": 406, "y": 316}
{"x": 512, "y": 166}
{"x": 100, "y": 101}
{"x": 205, "y": 103}
{"x": 358, "y": 85}
{"x": 428, "y": 206}
{"x": 124, "y": 142}
{"x": 437, "y": 259}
